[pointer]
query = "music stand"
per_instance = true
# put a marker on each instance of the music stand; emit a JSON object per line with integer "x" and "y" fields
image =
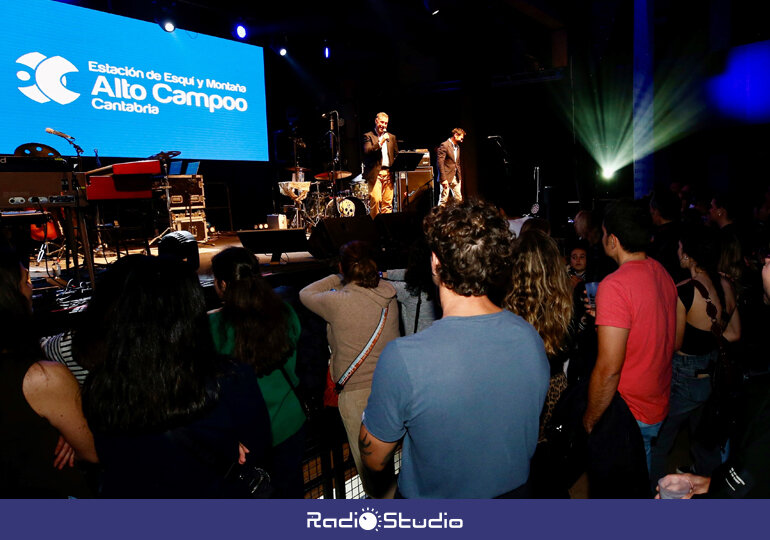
{"x": 406, "y": 161}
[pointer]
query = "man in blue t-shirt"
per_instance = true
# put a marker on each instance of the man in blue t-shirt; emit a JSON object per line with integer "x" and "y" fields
{"x": 465, "y": 395}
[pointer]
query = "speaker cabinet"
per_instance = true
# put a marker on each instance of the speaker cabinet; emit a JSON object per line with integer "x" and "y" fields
{"x": 274, "y": 241}
{"x": 332, "y": 233}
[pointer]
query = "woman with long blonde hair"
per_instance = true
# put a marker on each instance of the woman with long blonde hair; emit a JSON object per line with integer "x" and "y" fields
{"x": 541, "y": 291}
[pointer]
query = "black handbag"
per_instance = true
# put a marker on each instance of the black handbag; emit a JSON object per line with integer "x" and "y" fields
{"x": 563, "y": 456}
{"x": 244, "y": 481}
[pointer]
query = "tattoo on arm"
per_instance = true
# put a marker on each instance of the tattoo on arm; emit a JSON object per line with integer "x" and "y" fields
{"x": 364, "y": 445}
{"x": 388, "y": 459}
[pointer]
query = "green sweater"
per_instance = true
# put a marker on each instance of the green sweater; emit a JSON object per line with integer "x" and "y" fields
{"x": 286, "y": 415}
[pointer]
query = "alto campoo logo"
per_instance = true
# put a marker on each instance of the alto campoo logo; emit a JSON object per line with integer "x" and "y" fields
{"x": 50, "y": 82}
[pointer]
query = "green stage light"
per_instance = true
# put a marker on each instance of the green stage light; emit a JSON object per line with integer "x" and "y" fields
{"x": 598, "y": 106}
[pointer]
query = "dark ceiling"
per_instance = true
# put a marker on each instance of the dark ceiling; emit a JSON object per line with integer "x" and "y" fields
{"x": 506, "y": 36}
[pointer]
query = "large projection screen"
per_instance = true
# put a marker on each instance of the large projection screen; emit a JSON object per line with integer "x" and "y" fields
{"x": 127, "y": 87}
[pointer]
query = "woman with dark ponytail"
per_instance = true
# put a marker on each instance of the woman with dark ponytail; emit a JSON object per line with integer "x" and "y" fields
{"x": 707, "y": 306}
{"x": 257, "y": 328}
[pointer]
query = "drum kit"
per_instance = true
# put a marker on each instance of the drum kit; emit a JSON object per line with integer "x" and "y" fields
{"x": 331, "y": 194}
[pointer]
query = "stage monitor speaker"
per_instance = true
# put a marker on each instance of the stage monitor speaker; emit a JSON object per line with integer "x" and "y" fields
{"x": 275, "y": 241}
{"x": 332, "y": 233}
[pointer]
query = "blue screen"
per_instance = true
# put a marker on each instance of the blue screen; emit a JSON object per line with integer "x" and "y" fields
{"x": 127, "y": 87}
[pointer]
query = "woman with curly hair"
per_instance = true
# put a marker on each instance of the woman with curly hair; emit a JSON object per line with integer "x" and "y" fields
{"x": 259, "y": 329}
{"x": 541, "y": 294}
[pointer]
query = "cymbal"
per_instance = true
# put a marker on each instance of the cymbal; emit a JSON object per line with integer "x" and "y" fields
{"x": 165, "y": 155}
{"x": 298, "y": 169}
{"x": 337, "y": 174}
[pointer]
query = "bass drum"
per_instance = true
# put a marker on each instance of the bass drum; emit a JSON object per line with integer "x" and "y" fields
{"x": 346, "y": 207}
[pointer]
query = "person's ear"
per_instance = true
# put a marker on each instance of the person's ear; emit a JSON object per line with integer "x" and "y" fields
{"x": 220, "y": 287}
{"x": 434, "y": 264}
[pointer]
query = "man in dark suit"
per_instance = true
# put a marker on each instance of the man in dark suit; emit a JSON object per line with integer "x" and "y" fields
{"x": 449, "y": 169}
{"x": 380, "y": 149}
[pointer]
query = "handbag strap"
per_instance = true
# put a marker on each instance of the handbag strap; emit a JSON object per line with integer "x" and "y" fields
{"x": 303, "y": 404}
{"x": 356, "y": 363}
{"x": 417, "y": 311}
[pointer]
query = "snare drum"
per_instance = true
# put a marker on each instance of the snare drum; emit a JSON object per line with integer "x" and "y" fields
{"x": 346, "y": 207}
{"x": 361, "y": 190}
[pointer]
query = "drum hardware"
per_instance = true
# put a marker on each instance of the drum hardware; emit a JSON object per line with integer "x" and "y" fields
{"x": 297, "y": 191}
{"x": 332, "y": 175}
{"x": 361, "y": 190}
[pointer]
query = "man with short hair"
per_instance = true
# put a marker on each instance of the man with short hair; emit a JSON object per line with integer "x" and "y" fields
{"x": 465, "y": 394}
{"x": 449, "y": 169}
{"x": 380, "y": 150}
{"x": 665, "y": 210}
{"x": 636, "y": 320}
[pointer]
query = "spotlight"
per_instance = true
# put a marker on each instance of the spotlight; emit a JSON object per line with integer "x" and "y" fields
{"x": 435, "y": 12}
{"x": 167, "y": 25}
{"x": 240, "y": 31}
{"x": 326, "y": 52}
{"x": 282, "y": 51}
{"x": 608, "y": 173}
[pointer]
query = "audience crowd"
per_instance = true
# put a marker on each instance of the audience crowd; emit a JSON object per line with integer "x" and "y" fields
{"x": 483, "y": 361}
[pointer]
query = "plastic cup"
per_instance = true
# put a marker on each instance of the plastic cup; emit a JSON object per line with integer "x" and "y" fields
{"x": 591, "y": 287}
{"x": 674, "y": 486}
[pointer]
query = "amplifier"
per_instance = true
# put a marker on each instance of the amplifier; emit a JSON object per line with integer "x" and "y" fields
{"x": 192, "y": 222}
{"x": 425, "y": 161}
{"x": 186, "y": 192}
{"x": 276, "y": 221}
{"x": 24, "y": 189}
{"x": 415, "y": 187}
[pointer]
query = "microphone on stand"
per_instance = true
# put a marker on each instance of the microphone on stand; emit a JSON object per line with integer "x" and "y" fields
{"x": 330, "y": 116}
{"x": 59, "y": 133}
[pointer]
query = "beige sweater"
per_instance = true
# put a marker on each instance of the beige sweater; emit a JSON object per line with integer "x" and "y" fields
{"x": 352, "y": 314}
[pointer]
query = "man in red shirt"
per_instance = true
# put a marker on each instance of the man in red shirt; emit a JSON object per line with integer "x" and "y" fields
{"x": 636, "y": 320}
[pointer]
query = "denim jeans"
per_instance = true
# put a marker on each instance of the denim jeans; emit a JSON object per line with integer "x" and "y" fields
{"x": 649, "y": 432}
{"x": 689, "y": 391}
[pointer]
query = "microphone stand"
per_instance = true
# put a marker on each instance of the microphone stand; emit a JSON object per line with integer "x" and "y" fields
{"x": 334, "y": 147}
{"x": 506, "y": 162}
{"x": 82, "y": 232}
